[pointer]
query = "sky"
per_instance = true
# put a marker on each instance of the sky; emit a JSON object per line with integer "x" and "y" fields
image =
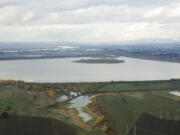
{"x": 89, "y": 21}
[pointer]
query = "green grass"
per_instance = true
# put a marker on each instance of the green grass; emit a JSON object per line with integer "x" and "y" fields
{"x": 167, "y": 95}
{"x": 8, "y": 102}
{"x": 126, "y": 113}
{"x": 79, "y": 133}
{"x": 141, "y": 85}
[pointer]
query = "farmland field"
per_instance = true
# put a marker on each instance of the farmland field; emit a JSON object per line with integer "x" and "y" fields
{"x": 141, "y": 85}
{"x": 126, "y": 108}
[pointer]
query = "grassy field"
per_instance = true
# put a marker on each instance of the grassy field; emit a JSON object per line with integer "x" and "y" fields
{"x": 167, "y": 95}
{"x": 141, "y": 85}
{"x": 8, "y": 102}
{"x": 126, "y": 108}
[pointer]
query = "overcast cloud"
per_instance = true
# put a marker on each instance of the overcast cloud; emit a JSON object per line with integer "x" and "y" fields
{"x": 92, "y": 21}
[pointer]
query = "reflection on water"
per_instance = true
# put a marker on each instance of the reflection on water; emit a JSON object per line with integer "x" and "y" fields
{"x": 64, "y": 70}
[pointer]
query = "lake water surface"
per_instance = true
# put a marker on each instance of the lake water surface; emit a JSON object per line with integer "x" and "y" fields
{"x": 64, "y": 70}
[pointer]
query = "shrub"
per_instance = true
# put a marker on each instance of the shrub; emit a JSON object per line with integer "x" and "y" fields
{"x": 51, "y": 93}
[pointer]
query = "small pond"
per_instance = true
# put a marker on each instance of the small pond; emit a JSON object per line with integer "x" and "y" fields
{"x": 80, "y": 102}
{"x": 176, "y": 93}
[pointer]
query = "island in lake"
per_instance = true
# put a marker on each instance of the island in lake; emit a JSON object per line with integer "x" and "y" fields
{"x": 100, "y": 61}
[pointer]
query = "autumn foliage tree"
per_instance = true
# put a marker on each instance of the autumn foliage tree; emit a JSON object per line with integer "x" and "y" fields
{"x": 37, "y": 88}
{"x": 51, "y": 93}
{"x": 105, "y": 127}
{"x": 104, "y": 121}
{"x": 99, "y": 120}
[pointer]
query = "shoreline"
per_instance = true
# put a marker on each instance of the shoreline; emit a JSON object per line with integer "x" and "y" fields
{"x": 80, "y": 82}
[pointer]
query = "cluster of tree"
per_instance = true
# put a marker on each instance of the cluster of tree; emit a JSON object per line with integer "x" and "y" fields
{"x": 51, "y": 93}
{"x": 106, "y": 124}
{"x": 175, "y": 79}
{"x": 82, "y": 87}
{"x": 98, "y": 108}
{"x": 99, "y": 120}
{"x": 104, "y": 120}
{"x": 105, "y": 127}
{"x": 60, "y": 87}
{"x": 23, "y": 85}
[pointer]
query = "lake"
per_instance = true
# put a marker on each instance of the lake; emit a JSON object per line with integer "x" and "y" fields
{"x": 64, "y": 70}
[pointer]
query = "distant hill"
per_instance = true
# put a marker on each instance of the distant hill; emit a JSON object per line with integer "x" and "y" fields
{"x": 161, "y": 51}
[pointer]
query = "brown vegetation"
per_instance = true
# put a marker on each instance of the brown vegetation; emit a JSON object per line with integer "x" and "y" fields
{"x": 74, "y": 116}
{"x": 51, "y": 93}
{"x": 23, "y": 85}
{"x": 63, "y": 88}
{"x": 103, "y": 120}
